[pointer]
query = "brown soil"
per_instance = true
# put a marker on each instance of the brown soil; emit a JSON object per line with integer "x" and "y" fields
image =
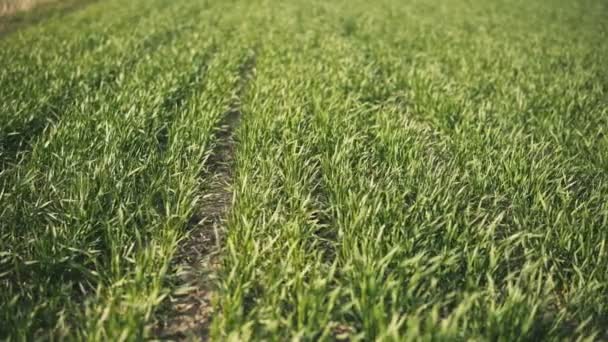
{"x": 16, "y": 14}
{"x": 190, "y": 306}
{"x": 8, "y": 7}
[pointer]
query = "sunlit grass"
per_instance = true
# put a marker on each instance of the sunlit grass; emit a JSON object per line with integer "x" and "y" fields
{"x": 421, "y": 170}
{"x": 404, "y": 170}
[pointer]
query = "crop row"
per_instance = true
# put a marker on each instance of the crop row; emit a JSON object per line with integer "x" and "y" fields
{"x": 104, "y": 138}
{"x": 421, "y": 171}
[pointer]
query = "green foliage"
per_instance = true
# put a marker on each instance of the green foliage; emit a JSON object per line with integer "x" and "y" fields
{"x": 422, "y": 170}
{"x": 404, "y": 170}
{"x": 101, "y": 157}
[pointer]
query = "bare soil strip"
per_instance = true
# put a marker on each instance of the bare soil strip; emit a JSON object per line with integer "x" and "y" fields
{"x": 190, "y": 308}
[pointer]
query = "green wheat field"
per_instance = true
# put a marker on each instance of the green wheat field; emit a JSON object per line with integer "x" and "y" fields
{"x": 236, "y": 170}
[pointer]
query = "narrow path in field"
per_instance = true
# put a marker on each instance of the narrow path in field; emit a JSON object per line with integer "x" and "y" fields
{"x": 190, "y": 310}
